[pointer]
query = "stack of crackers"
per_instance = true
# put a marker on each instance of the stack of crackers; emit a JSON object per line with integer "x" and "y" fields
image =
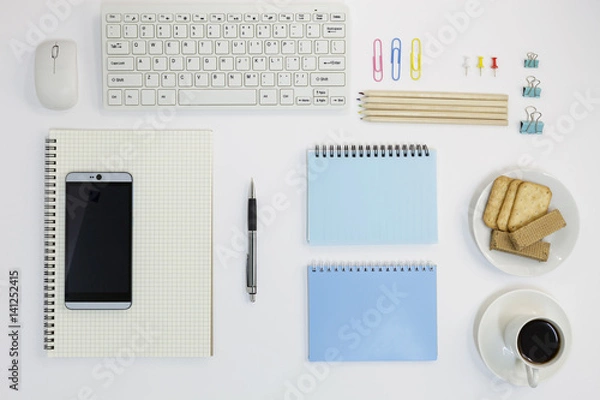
{"x": 517, "y": 213}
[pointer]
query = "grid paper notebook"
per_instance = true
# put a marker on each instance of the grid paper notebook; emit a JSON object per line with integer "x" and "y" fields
{"x": 171, "y": 312}
{"x": 372, "y": 195}
{"x": 374, "y": 313}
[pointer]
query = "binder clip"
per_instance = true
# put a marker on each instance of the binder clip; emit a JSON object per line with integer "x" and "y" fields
{"x": 415, "y": 59}
{"x": 533, "y": 123}
{"x": 532, "y": 89}
{"x": 396, "y": 57}
{"x": 377, "y": 60}
{"x": 531, "y": 61}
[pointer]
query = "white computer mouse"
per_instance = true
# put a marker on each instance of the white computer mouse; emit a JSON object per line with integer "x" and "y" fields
{"x": 56, "y": 81}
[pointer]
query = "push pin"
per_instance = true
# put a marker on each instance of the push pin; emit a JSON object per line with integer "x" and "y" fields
{"x": 480, "y": 65}
{"x": 466, "y": 65}
{"x": 494, "y": 65}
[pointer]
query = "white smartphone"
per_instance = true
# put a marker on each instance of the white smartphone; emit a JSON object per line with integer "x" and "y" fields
{"x": 98, "y": 245}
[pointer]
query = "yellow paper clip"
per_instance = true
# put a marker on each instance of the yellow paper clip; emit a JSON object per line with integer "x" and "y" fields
{"x": 415, "y": 68}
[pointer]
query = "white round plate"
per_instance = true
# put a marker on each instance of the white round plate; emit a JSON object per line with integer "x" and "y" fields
{"x": 490, "y": 331}
{"x": 562, "y": 241}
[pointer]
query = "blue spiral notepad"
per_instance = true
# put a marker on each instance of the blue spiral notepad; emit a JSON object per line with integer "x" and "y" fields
{"x": 372, "y": 195}
{"x": 375, "y": 313}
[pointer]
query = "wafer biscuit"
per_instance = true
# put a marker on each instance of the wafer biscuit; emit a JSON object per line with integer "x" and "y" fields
{"x": 507, "y": 204}
{"x": 499, "y": 188}
{"x": 538, "y": 251}
{"x": 537, "y": 230}
{"x": 531, "y": 202}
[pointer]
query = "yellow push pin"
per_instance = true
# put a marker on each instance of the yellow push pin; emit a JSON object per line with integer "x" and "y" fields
{"x": 480, "y": 64}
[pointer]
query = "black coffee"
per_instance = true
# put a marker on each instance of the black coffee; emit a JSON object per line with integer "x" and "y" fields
{"x": 539, "y": 341}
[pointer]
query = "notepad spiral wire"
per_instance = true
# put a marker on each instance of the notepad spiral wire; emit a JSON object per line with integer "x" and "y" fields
{"x": 49, "y": 242}
{"x": 372, "y": 266}
{"x": 412, "y": 150}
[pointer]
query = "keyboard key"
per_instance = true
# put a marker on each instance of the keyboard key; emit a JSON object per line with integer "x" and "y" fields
{"x": 143, "y": 64}
{"x": 210, "y": 63}
{"x": 271, "y": 47}
{"x": 201, "y": 79}
{"x": 168, "y": 79}
{"x": 288, "y": 47}
{"x": 320, "y": 17}
{"x": 320, "y": 92}
{"x": 313, "y": 30}
{"x": 230, "y": 31}
{"x": 251, "y": 17}
{"x": 247, "y": 31}
{"x": 130, "y": 31}
{"x": 302, "y": 17}
{"x": 148, "y": 97}
{"x": 280, "y": 31}
{"x": 180, "y": 31}
{"x": 284, "y": 79}
{"x": 300, "y": 79}
{"x": 217, "y": 97}
{"x": 155, "y": 47}
{"x": 268, "y": 97}
{"x": 113, "y": 31}
{"x": 234, "y": 79}
{"x": 332, "y": 63}
{"x": 193, "y": 63}
{"x": 255, "y": 47}
{"x": 188, "y": 47}
{"x": 120, "y": 64}
{"x": 131, "y": 18}
{"x": 251, "y": 79}
{"x": 235, "y": 17}
{"x": 217, "y": 79}
{"x": 139, "y": 47}
{"x": 238, "y": 47}
{"x": 327, "y": 79}
{"x": 304, "y": 47}
{"x": 213, "y": 31}
{"x": 338, "y": 100}
{"x": 303, "y": 101}
{"x": 113, "y": 17}
{"x": 199, "y": 17}
{"x": 286, "y": 97}
{"x": 337, "y": 17}
{"x": 268, "y": 17}
{"x": 309, "y": 63}
{"x": 321, "y": 47}
{"x": 267, "y": 79}
{"x": 165, "y": 17}
{"x": 148, "y": 18}
{"x": 276, "y": 63}
{"x": 166, "y": 97}
{"x": 286, "y": 17}
{"x": 296, "y": 31}
{"x": 132, "y": 97}
{"x": 197, "y": 31}
{"x": 176, "y": 63}
{"x": 151, "y": 79}
{"x": 292, "y": 63}
{"x": 160, "y": 64}
{"x": 217, "y": 17}
{"x": 334, "y": 31}
{"x": 172, "y": 47}
{"x": 205, "y": 47}
{"x": 163, "y": 31}
{"x": 124, "y": 80}
{"x": 242, "y": 63}
{"x": 226, "y": 64}
{"x": 259, "y": 63}
{"x": 115, "y": 98}
{"x": 263, "y": 31}
{"x": 221, "y": 47}
{"x": 320, "y": 101}
{"x": 338, "y": 47}
{"x": 185, "y": 79}
{"x": 182, "y": 17}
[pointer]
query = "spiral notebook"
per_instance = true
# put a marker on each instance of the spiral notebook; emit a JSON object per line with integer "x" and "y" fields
{"x": 171, "y": 311}
{"x": 372, "y": 195}
{"x": 372, "y": 313}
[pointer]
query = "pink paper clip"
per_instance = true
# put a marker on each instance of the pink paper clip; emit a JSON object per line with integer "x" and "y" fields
{"x": 377, "y": 60}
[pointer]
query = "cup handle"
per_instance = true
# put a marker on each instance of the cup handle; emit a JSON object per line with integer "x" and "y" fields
{"x": 532, "y": 376}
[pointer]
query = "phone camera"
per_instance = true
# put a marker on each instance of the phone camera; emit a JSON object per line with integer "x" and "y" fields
{"x": 98, "y": 177}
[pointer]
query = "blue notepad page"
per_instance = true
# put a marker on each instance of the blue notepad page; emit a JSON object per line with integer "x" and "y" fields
{"x": 368, "y": 314}
{"x": 372, "y": 200}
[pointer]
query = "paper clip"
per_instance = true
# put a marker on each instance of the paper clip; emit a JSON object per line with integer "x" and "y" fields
{"x": 533, "y": 123}
{"x": 377, "y": 60}
{"x": 532, "y": 89}
{"x": 415, "y": 70}
{"x": 396, "y": 58}
{"x": 531, "y": 61}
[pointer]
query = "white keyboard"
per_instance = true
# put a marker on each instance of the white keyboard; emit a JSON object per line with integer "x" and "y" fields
{"x": 224, "y": 55}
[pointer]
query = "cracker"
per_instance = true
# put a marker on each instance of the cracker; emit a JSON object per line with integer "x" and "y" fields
{"x": 538, "y": 251}
{"x": 492, "y": 208}
{"x": 537, "y": 230}
{"x": 531, "y": 202}
{"x": 507, "y": 204}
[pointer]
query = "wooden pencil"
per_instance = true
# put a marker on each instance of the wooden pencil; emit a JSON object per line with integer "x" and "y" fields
{"x": 433, "y": 114}
{"x": 434, "y": 95}
{"x": 450, "y": 121}
{"x": 428, "y": 107}
{"x": 435, "y": 102}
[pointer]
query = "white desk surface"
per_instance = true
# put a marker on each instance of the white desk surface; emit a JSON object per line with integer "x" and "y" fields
{"x": 261, "y": 349}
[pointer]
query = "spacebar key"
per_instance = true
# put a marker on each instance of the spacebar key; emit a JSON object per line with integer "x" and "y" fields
{"x": 237, "y": 97}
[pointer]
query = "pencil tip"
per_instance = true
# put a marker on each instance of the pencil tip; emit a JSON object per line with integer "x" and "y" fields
{"x": 361, "y": 93}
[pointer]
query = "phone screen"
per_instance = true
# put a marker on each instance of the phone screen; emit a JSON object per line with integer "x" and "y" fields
{"x": 98, "y": 242}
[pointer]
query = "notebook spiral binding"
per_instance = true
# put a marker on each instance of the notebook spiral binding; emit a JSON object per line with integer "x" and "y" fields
{"x": 49, "y": 242}
{"x": 372, "y": 150}
{"x": 372, "y": 266}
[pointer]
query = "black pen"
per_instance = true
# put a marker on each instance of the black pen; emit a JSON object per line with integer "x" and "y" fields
{"x": 251, "y": 257}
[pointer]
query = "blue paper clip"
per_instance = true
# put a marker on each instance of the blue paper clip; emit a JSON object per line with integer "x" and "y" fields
{"x": 396, "y": 58}
{"x": 377, "y": 60}
{"x": 533, "y": 123}
{"x": 531, "y": 61}
{"x": 532, "y": 89}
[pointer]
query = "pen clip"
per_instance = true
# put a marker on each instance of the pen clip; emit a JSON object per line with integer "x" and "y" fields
{"x": 415, "y": 68}
{"x": 396, "y": 58}
{"x": 377, "y": 60}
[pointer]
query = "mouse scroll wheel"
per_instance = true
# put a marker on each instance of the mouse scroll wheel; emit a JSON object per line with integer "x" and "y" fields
{"x": 55, "y": 51}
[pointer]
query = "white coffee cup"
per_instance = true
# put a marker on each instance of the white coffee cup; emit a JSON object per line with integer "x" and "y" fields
{"x": 536, "y": 341}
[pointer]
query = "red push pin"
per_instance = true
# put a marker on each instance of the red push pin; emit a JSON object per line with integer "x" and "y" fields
{"x": 494, "y": 65}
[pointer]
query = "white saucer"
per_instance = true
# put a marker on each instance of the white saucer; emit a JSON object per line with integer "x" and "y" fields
{"x": 562, "y": 242}
{"x": 490, "y": 331}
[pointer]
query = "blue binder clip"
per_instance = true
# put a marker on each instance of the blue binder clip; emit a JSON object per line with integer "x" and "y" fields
{"x": 533, "y": 123}
{"x": 532, "y": 89}
{"x": 396, "y": 58}
{"x": 531, "y": 61}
